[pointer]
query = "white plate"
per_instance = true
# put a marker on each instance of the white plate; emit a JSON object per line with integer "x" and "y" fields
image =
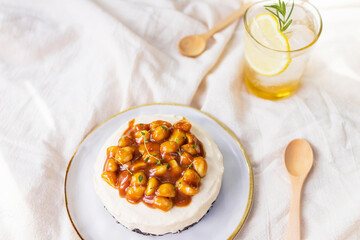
{"x": 224, "y": 220}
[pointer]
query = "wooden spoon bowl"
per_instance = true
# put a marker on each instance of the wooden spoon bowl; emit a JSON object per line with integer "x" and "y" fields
{"x": 192, "y": 46}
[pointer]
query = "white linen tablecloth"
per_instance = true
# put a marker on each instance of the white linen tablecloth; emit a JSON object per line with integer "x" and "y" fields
{"x": 66, "y": 66}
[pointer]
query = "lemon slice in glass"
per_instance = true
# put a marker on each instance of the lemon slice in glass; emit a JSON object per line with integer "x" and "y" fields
{"x": 272, "y": 59}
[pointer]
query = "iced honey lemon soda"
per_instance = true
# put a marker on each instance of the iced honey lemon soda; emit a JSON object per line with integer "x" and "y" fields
{"x": 277, "y": 42}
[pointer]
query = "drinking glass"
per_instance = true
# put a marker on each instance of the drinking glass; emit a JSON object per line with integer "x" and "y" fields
{"x": 301, "y": 35}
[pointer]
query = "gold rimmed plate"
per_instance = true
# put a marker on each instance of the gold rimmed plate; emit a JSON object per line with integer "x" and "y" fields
{"x": 224, "y": 220}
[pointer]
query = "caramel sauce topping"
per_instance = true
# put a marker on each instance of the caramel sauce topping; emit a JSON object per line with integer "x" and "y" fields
{"x": 158, "y": 163}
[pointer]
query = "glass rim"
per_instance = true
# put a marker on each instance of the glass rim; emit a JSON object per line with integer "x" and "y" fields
{"x": 277, "y": 50}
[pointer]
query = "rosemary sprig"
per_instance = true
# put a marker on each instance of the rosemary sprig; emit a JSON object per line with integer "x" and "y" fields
{"x": 179, "y": 152}
{"x": 279, "y": 11}
{"x": 190, "y": 165}
{"x": 158, "y": 160}
{"x": 127, "y": 169}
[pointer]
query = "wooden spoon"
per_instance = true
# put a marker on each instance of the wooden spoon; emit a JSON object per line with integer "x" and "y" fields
{"x": 194, "y": 45}
{"x": 298, "y": 161}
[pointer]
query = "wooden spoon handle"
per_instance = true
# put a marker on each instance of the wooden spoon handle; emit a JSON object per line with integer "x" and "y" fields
{"x": 294, "y": 229}
{"x": 226, "y": 21}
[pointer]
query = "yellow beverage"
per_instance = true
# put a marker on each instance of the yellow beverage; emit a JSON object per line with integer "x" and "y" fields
{"x": 271, "y": 92}
{"x": 275, "y": 59}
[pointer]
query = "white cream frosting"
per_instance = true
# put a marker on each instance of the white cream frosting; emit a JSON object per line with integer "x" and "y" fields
{"x": 156, "y": 221}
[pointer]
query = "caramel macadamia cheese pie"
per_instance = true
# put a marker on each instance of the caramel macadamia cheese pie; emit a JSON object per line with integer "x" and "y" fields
{"x": 158, "y": 174}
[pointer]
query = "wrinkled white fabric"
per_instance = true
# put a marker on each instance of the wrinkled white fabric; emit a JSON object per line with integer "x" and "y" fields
{"x": 66, "y": 66}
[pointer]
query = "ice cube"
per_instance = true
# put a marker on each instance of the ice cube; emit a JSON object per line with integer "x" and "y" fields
{"x": 298, "y": 13}
{"x": 299, "y": 36}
